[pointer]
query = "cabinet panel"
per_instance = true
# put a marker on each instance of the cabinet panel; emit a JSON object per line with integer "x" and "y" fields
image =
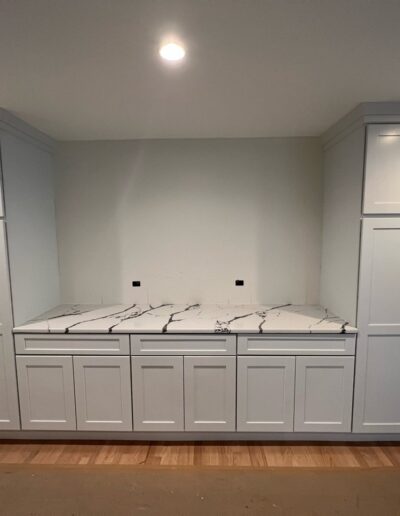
{"x": 183, "y": 344}
{"x": 379, "y": 291}
{"x": 210, "y": 393}
{"x": 36, "y": 344}
{"x": 377, "y": 389}
{"x": 157, "y": 390}
{"x": 46, "y": 391}
{"x": 9, "y": 413}
{"x": 265, "y": 388}
{"x": 324, "y": 394}
{"x": 103, "y": 393}
{"x": 382, "y": 169}
{"x": 296, "y": 344}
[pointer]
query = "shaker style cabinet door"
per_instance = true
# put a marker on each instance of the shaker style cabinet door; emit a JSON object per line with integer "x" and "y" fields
{"x": 382, "y": 169}
{"x": 157, "y": 390}
{"x": 265, "y": 390}
{"x": 210, "y": 393}
{"x": 377, "y": 384}
{"x": 46, "y": 392}
{"x": 324, "y": 394}
{"x": 103, "y": 393}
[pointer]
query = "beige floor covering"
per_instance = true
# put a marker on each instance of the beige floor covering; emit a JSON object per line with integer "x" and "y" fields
{"x": 38, "y": 490}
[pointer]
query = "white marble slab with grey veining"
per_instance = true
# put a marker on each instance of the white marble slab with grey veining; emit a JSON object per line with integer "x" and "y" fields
{"x": 195, "y": 318}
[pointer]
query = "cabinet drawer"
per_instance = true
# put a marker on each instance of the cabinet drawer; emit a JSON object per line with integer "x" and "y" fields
{"x": 183, "y": 344}
{"x": 296, "y": 344}
{"x": 71, "y": 344}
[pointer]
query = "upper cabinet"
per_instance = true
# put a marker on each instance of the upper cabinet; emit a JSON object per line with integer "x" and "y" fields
{"x": 382, "y": 169}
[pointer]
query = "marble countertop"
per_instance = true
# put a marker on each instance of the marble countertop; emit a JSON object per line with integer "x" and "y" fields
{"x": 174, "y": 318}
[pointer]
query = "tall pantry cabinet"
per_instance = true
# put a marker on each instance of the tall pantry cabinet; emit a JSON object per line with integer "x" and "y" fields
{"x": 28, "y": 245}
{"x": 367, "y": 174}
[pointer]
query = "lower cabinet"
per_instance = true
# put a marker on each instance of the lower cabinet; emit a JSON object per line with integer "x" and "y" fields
{"x": 210, "y": 393}
{"x": 46, "y": 392}
{"x": 53, "y": 389}
{"x": 377, "y": 386}
{"x": 304, "y": 394}
{"x": 265, "y": 394}
{"x": 175, "y": 393}
{"x": 157, "y": 387}
{"x": 324, "y": 394}
{"x": 103, "y": 393}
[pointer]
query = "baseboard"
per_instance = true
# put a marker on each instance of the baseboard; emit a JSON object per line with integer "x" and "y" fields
{"x": 193, "y": 436}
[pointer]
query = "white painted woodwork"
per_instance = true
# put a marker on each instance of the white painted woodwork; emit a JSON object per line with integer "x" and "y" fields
{"x": 324, "y": 394}
{"x": 265, "y": 394}
{"x": 103, "y": 393}
{"x": 210, "y": 393}
{"x": 9, "y": 413}
{"x": 377, "y": 384}
{"x": 32, "y": 244}
{"x": 295, "y": 344}
{"x": 382, "y": 169}
{"x": 377, "y": 389}
{"x": 183, "y": 344}
{"x": 343, "y": 167}
{"x": 157, "y": 391}
{"x": 83, "y": 344}
{"x": 379, "y": 292}
{"x": 46, "y": 392}
{"x": 1, "y": 196}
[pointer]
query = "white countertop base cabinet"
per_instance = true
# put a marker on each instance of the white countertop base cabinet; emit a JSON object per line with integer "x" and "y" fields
{"x": 103, "y": 393}
{"x": 265, "y": 391}
{"x": 46, "y": 392}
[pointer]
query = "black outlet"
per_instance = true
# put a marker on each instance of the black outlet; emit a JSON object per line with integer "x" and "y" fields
{"x": 135, "y": 283}
{"x": 239, "y": 283}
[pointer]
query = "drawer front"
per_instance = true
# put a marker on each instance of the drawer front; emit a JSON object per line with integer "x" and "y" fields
{"x": 296, "y": 344}
{"x": 37, "y": 344}
{"x": 183, "y": 344}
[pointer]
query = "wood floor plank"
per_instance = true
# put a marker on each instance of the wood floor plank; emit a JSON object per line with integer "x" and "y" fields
{"x": 225, "y": 454}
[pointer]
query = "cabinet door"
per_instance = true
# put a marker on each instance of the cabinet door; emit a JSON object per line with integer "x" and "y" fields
{"x": 382, "y": 169}
{"x": 265, "y": 390}
{"x": 377, "y": 384}
{"x": 324, "y": 394}
{"x": 157, "y": 390}
{"x": 210, "y": 393}
{"x": 103, "y": 393}
{"x": 46, "y": 393}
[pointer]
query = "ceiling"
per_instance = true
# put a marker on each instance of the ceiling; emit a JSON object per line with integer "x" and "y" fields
{"x": 89, "y": 69}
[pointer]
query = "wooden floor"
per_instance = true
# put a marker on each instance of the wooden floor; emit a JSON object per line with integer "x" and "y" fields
{"x": 204, "y": 454}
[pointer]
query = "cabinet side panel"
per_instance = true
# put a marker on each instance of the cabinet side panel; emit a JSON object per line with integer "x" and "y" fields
{"x": 343, "y": 180}
{"x": 30, "y": 214}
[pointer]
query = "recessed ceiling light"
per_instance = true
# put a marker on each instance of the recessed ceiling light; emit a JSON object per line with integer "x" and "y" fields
{"x": 172, "y": 52}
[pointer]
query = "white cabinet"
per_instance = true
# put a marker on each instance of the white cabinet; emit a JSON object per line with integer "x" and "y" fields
{"x": 377, "y": 393}
{"x": 157, "y": 389}
{"x": 9, "y": 413}
{"x": 9, "y": 419}
{"x": 103, "y": 393}
{"x": 324, "y": 394}
{"x": 210, "y": 393}
{"x": 46, "y": 392}
{"x": 377, "y": 385}
{"x": 382, "y": 169}
{"x": 265, "y": 391}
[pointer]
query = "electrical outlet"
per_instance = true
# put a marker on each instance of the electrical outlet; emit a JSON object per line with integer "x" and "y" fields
{"x": 135, "y": 283}
{"x": 239, "y": 283}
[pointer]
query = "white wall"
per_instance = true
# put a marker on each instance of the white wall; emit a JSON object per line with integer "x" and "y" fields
{"x": 187, "y": 218}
